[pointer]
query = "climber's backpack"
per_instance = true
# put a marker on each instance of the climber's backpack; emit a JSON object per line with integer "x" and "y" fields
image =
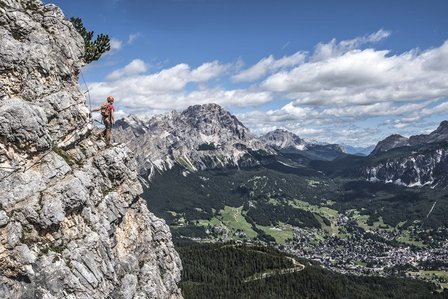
{"x": 105, "y": 111}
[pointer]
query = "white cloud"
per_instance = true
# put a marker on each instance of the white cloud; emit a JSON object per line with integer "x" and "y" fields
{"x": 417, "y": 115}
{"x": 339, "y": 124}
{"x": 311, "y": 115}
{"x": 145, "y": 100}
{"x": 133, "y": 37}
{"x": 436, "y": 59}
{"x": 334, "y": 132}
{"x": 115, "y": 44}
{"x": 329, "y": 93}
{"x": 136, "y": 66}
{"x": 166, "y": 90}
{"x": 268, "y": 64}
{"x": 324, "y": 51}
{"x": 237, "y": 97}
{"x": 372, "y": 110}
{"x": 208, "y": 71}
{"x": 173, "y": 79}
{"x": 365, "y": 76}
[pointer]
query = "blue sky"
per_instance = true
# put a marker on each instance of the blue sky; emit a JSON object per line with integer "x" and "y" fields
{"x": 335, "y": 71}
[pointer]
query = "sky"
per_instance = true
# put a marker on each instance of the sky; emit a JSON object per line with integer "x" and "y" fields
{"x": 347, "y": 72}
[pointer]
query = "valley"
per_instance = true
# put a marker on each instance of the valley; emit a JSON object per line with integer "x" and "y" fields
{"x": 235, "y": 270}
{"x": 348, "y": 226}
{"x": 382, "y": 215}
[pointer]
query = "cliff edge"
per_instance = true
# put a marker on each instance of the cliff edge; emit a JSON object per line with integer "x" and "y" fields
{"x": 72, "y": 223}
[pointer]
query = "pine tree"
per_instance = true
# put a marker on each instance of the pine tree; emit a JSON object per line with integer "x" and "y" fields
{"x": 93, "y": 49}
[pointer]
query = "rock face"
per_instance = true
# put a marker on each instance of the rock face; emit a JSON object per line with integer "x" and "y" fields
{"x": 427, "y": 167}
{"x": 415, "y": 161}
{"x": 438, "y": 135}
{"x": 282, "y": 139}
{"x": 394, "y": 141}
{"x": 72, "y": 223}
{"x": 287, "y": 142}
{"x": 201, "y": 137}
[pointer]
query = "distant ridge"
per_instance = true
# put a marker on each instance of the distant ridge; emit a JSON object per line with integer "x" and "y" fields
{"x": 396, "y": 140}
{"x": 287, "y": 142}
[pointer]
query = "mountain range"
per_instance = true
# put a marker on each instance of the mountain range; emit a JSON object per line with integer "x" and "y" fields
{"x": 211, "y": 179}
{"x": 396, "y": 140}
{"x": 209, "y": 137}
{"x": 201, "y": 137}
{"x": 415, "y": 161}
{"x": 357, "y": 150}
{"x": 75, "y": 220}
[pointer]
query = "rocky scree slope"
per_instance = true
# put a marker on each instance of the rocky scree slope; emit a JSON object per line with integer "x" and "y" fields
{"x": 200, "y": 137}
{"x": 415, "y": 161}
{"x": 72, "y": 223}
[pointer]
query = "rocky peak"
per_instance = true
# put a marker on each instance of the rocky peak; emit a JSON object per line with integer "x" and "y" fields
{"x": 212, "y": 118}
{"x": 443, "y": 125}
{"x": 136, "y": 124}
{"x": 392, "y": 141}
{"x": 209, "y": 111}
{"x": 200, "y": 137}
{"x": 288, "y": 142}
{"x": 72, "y": 223}
{"x": 282, "y": 139}
{"x": 440, "y": 134}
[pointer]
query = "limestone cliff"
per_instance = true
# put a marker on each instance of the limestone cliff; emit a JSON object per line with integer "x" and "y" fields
{"x": 72, "y": 223}
{"x": 198, "y": 138}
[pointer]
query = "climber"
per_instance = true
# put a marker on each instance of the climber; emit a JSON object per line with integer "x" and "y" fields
{"x": 107, "y": 113}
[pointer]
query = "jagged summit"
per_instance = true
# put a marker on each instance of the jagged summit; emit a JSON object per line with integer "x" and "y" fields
{"x": 443, "y": 124}
{"x": 209, "y": 117}
{"x": 136, "y": 124}
{"x": 211, "y": 110}
{"x": 200, "y": 137}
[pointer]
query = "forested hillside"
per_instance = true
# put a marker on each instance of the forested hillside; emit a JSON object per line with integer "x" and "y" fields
{"x": 229, "y": 270}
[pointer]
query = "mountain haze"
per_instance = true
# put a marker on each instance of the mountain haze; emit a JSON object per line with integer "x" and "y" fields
{"x": 357, "y": 150}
